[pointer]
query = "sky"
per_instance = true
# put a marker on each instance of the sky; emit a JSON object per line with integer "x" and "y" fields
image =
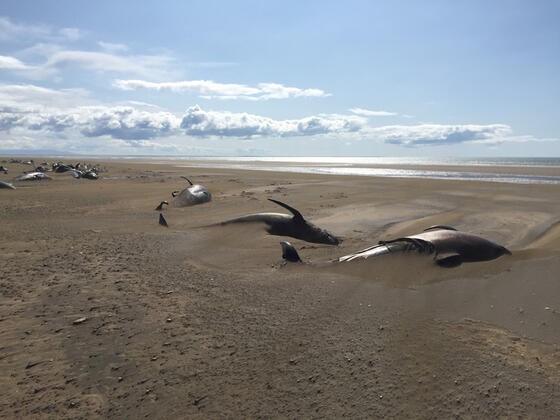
{"x": 280, "y": 78}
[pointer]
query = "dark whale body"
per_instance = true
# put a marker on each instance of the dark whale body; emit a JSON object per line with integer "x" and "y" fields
{"x": 449, "y": 247}
{"x": 293, "y": 225}
{"x": 7, "y": 185}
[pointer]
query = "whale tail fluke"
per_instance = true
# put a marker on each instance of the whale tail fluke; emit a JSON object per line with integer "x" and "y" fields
{"x": 162, "y": 220}
{"x": 289, "y": 253}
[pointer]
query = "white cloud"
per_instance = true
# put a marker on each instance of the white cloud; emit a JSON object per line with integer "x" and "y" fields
{"x": 197, "y": 122}
{"x": 204, "y": 87}
{"x": 28, "y": 111}
{"x": 21, "y": 143}
{"x": 21, "y": 32}
{"x": 21, "y": 111}
{"x": 39, "y": 51}
{"x": 51, "y": 59}
{"x": 127, "y": 123}
{"x": 209, "y": 89}
{"x": 35, "y": 97}
{"x": 368, "y": 113}
{"x": 440, "y": 134}
{"x": 11, "y": 63}
{"x": 105, "y": 62}
{"x": 10, "y": 30}
{"x": 278, "y": 91}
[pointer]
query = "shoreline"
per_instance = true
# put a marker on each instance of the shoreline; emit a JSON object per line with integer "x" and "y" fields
{"x": 467, "y": 172}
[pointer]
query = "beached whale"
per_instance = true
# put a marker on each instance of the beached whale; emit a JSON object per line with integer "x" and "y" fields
{"x": 32, "y": 176}
{"x": 7, "y": 185}
{"x": 90, "y": 174}
{"x": 194, "y": 194}
{"x": 449, "y": 247}
{"x": 294, "y": 225}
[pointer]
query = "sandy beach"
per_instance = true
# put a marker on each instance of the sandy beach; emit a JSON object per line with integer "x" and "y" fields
{"x": 106, "y": 314}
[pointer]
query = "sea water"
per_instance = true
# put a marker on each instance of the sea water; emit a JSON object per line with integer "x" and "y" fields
{"x": 491, "y": 169}
{"x": 436, "y": 168}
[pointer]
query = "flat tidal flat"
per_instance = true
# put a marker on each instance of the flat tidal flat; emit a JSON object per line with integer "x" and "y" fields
{"x": 106, "y": 314}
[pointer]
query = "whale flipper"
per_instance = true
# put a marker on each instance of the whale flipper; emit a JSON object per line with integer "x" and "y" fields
{"x": 188, "y": 180}
{"x": 449, "y": 260}
{"x": 162, "y": 220}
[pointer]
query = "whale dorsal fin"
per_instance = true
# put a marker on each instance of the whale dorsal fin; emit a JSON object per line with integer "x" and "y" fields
{"x": 440, "y": 227}
{"x": 296, "y": 213}
{"x": 289, "y": 253}
{"x": 184, "y": 177}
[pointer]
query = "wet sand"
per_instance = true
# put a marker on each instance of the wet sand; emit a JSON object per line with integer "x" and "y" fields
{"x": 201, "y": 321}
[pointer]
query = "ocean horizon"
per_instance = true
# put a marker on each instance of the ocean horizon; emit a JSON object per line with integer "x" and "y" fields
{"x": 368, "y": 160}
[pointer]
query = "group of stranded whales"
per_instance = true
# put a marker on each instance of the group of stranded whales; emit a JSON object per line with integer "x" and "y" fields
{"x": 448, "y": 246}
{"x": 78, "y": 170}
